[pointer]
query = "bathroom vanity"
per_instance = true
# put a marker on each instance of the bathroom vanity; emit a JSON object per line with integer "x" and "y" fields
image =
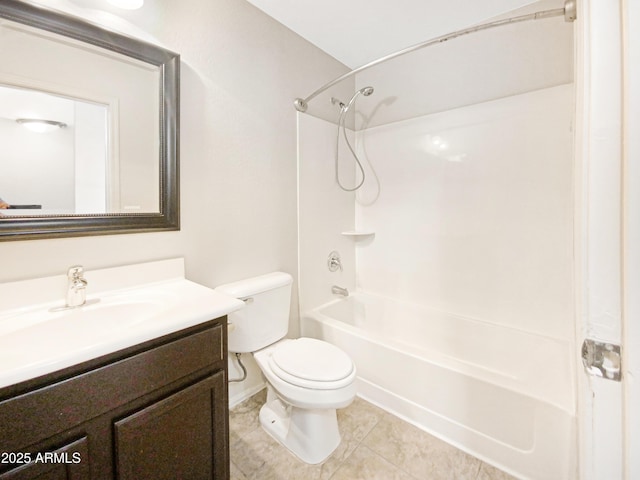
{"x": 154, "y": 409}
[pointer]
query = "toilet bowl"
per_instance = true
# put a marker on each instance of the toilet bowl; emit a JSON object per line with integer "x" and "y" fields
{"x": 300, "y": 411}
{"x": 307, "y": 379}
{"x": 308, "y": 373}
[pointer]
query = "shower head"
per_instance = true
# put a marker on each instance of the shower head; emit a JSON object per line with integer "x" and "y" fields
{"x": 366, "y": 91}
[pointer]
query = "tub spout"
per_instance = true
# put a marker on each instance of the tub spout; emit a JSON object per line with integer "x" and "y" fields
{"x": 340, "y": 291}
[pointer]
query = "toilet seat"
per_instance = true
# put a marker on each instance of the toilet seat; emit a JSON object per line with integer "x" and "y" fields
{"x": 313, "y": 364}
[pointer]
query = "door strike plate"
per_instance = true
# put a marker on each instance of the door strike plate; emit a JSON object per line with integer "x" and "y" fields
{"x": 602, "y": 359}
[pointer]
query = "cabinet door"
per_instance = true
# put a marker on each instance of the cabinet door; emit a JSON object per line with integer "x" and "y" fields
{"x": 70, "y": 462}
{"x": 183, "y": 436}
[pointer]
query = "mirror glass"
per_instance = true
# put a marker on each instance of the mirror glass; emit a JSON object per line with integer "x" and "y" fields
{"x": 88, "y": 128}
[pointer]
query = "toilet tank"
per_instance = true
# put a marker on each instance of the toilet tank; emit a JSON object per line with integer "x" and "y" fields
{"x": 265, "y": 317}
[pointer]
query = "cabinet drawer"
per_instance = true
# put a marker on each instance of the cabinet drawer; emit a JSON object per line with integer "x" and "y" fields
{"x": 71, "y": 463}
{"x": 41, "y": 413}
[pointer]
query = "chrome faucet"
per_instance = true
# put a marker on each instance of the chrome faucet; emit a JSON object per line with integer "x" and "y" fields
{"x": 76, "y": 294}
{"x": 340, "y": 291}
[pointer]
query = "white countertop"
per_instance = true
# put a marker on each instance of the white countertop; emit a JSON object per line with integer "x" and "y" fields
{"x": 154, "y": 299}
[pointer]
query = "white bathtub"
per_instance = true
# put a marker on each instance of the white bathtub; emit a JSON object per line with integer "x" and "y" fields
{"x": 503, "y": 395}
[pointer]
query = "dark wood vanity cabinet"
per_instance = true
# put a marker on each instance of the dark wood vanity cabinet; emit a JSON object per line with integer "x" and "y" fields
{"x": 155, "y": 411}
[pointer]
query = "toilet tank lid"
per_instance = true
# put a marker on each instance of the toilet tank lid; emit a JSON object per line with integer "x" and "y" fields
{"x": 255, "y": 285}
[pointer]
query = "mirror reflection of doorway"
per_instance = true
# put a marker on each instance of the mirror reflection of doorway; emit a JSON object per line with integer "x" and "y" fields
{"x": 55, "y": 153}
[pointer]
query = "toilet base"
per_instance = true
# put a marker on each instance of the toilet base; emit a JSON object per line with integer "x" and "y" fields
{"x": 310, "y": 434}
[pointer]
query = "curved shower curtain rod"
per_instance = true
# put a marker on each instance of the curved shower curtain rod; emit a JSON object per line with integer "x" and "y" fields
{"x": 568, "y": 11}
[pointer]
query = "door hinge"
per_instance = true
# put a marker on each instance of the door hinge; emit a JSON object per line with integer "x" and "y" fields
{"x": 602, "y": 359}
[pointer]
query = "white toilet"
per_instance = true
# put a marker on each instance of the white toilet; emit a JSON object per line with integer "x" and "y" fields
{"x": 307, "y": 379}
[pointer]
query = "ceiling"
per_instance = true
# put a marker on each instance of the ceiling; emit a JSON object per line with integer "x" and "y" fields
{"x": 356, "y": 32}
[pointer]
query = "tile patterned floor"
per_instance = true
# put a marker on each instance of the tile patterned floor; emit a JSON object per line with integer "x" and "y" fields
{"x": 375, "y": 445}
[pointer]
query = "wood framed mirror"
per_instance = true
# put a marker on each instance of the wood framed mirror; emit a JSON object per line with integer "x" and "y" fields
{"x": 105, "y": 156}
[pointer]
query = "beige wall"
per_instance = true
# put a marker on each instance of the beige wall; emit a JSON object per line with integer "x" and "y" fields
{"x": 241, "y": 71}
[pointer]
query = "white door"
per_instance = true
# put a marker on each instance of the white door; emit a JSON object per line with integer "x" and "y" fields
{"x": 608, "y": 231}
{"x": 631, "y": 235}
{"x": 599, "y": 233}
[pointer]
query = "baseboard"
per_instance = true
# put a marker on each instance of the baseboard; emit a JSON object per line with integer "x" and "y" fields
{"x": 245, "y": 394}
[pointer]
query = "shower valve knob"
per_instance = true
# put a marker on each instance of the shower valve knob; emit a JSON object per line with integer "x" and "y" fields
{"x": 333, "y": 262}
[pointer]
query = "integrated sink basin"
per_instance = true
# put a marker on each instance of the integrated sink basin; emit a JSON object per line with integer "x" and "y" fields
{"x": 102, "y": 316}
{"x": 41, "y": 336}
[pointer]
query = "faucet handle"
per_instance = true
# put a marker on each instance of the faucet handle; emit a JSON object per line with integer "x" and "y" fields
{"x": 75, "y": 275}
{"x": 76, "y": 271}
{"x": 77, "y": 287}
{"x": 333, "y": 262}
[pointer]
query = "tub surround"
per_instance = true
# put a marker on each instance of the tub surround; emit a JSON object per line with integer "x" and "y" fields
{"x": 472, "y": 213}
{"x": 324, "y": 212}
